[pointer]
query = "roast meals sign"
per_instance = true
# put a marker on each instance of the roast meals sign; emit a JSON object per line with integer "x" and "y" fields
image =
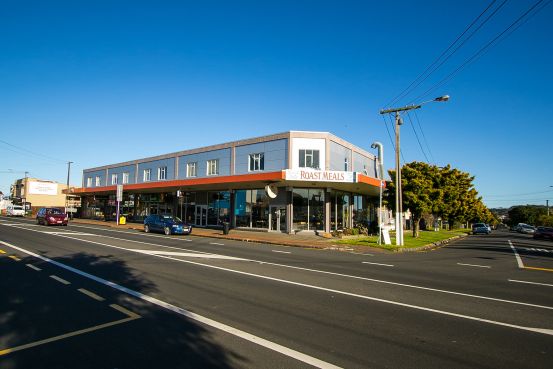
{"x": 318, "y": 175}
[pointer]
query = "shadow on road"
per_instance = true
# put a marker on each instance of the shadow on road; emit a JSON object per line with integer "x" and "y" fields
{"x": 34, "y": 307}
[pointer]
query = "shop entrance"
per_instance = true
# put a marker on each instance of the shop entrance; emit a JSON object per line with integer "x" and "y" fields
{"x": 277, "y": 218}
{"x": 200, "y": 215}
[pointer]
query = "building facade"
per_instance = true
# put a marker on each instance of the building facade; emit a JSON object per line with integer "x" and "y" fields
{"x": 36, "y": 193}
{"x": 287, "y": 182}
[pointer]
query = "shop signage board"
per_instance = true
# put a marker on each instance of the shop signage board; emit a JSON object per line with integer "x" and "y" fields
{"x": 43, "y": 188}
{"x": 319, "y": 175}
{"x": 119, "y": 192}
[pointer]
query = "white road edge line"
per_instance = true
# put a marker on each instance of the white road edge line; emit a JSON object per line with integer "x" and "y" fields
{"x": 517, "y": 256}
{"x": 475, "y": 265}
{"x": 199, "y": 318}
{"x": 367, "y": 262}
{"x": 328, "y": 273}
{"x": 281, "y": 252}
{"x": 536, "y": 283}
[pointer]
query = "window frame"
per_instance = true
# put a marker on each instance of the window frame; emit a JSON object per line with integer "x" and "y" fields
{"x": 212, "y": 164}
{"x": 304, "y": 154}
{"x": 149, "y": 171}
{"x": 89, "y": 182}
{"x": 97, "y": 181}
{"x": 126, "y": 176}
{"x": 189, "y": 166}
{"x": 256, "y": 158}
{"x": 114, "y": 179}
{"x": 162, "y": 173}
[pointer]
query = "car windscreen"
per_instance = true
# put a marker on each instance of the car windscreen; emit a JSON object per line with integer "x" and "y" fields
{"x": 479, "y": 225}
{"x": 170, "y": 218}
{"x": 55, "y": 211}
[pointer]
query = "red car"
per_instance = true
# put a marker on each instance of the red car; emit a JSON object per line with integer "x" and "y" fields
{"x": 544, "y": 232}
{"x": 51, "y": 216}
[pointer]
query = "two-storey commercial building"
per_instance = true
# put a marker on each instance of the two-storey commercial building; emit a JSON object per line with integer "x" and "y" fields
{"x": 287, "y": 182}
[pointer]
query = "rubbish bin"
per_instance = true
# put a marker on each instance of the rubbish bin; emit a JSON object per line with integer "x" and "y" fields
{"x": 226, "y": 227}
{"x": 122, "y": 220}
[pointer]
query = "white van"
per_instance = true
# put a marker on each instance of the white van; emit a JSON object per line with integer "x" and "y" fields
{"x": 15, "y": 211}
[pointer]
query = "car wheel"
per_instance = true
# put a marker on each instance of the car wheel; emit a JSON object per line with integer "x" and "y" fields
{"x": 146, "y": 228}
{"x": 167, "y": 230}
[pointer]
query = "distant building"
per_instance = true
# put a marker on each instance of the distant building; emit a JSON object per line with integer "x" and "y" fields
{"x": 37, "y": 193}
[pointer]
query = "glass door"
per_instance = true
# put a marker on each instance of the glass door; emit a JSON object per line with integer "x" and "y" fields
{"x": 200, "y": 215}
{"x": 277, "y": 219}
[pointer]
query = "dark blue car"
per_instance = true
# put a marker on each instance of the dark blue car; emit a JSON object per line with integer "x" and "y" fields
{"x": 167, "y": 224}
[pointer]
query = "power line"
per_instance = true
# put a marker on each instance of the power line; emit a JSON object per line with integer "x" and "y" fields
{"x": 25, "y": 151}
{"x": 388, "y": 130}
{"x": 393, "y": 145}
{"x": 522, "y": 194}
{"x": 485, "y": 48}
{"x": 424, "y": 136}
{"x": 417, "y": 136}
{"x": 430, "y": 69}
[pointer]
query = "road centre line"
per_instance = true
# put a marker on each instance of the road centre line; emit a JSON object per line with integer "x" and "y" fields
{"x": 61, "y": 280}
{"x": 2, "y": 252}
{"x": 343, "y": 275}
{"x": 475, "y": 265}
{"x": 536, "y": 283}
{"x": 388, "y": 265}
{"x": 517, "y": 256}
{"x": 130, "y": 316}
{"x": 33, "y": 267}
{"x": 282, "y": 252}
{"x": 199, "y": 318}
{"x": 91, "y": 294}
{"x": 545, "y": 331}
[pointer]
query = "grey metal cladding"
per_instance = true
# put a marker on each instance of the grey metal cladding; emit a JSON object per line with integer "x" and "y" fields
{"x": 338, "y": 154}
{"x": 93, "y": 175}
{"x": 119, "y": 171}
{"x": 361, "y": 162}
{"x": 275, "y": 156}
{"x": 223, "y": 155}
{"x": 153, "y": 166}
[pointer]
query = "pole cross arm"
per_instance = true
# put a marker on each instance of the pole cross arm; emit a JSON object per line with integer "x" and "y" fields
{"x": 395, "y": 110}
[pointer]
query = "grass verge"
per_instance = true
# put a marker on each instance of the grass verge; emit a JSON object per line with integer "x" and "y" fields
{"x": 425, "y": 238}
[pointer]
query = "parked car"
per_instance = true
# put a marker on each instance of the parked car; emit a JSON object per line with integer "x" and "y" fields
{"x": 525, "y": 228}
{"x": 51, "y": 216}
{"x": 480, "y": 228}
{"x": 167, "y": 224}
{"x": 544, "y": 232}
{"x": 15, "y": 211}
{"x": 489, "y": 228}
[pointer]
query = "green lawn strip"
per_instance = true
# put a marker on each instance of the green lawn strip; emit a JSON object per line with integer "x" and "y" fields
{"x": 425, "y": 238}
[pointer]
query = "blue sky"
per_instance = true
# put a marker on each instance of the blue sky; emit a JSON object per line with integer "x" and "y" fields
{"x": 98, "y": 82}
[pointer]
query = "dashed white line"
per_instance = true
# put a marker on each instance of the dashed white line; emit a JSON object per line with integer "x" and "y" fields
{"x": 216, "y": 243}
{"x": 61, "y": 280}
{"x": 282, "y": 252}
{"x": 474, "y": 265}
{"x": 388, "y": 265}
{"x": 33, "y": 267}
{"x": 536, "y": 283}
{"x": 91, "y": 294}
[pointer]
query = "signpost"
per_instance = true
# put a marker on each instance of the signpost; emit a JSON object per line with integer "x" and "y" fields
{"x": 119, "y": 199}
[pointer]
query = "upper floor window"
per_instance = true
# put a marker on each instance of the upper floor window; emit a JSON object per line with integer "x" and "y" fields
{"x": 98, "y": 183}
{"x": 346, "y": 164}
{"x": 125, "y": 177}
{"x": 89, "y": 182}
{"x": 147, "y": 175}
{"x": 162, "y": 173}
{"x": 309, "y": 159}
{"x": 212, "y": 167}
{"x": 114, "y": 179}
{"x": 257, "y": 162}
{"x": 191, "y": 170}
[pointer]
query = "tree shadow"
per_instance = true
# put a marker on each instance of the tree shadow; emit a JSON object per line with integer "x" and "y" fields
{"x": 34, "y": 306}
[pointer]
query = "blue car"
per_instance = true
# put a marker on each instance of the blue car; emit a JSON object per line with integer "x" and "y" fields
{"x": 167, "y": 224}
{"x": 480, "y": 228}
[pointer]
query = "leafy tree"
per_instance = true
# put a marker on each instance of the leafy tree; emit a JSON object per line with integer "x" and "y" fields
{"x": 529, "y": 214}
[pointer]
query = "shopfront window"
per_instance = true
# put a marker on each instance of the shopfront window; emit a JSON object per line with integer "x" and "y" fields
{"x": 308, "y": 209}
{"x": 252, "y": 208}
{"x": 218, "y": 207}
{"x": 339, "y": 210}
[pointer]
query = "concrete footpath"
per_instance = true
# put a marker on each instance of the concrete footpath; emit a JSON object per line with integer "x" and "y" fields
{"x": 275, "y": 238}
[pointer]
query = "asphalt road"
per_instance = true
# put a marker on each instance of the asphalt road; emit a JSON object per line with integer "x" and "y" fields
{"x": 91, "y": 297}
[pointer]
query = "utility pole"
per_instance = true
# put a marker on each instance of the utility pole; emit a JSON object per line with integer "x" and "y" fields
{"x": 67, "y": 189}
{"x": 25, "y": 193}
{"x": 399, "y": 199}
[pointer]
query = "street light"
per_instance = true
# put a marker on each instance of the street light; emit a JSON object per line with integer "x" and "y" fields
{"x": 399, "y": 200}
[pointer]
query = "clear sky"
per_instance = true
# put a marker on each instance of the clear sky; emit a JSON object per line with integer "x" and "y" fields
{"x": 99, "y": 82}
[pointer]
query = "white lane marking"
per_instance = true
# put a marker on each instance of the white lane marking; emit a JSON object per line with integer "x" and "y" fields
{"x": 70, "y": 233}
{"x": 216, "y": 243}
{"x": 388, "y": 265}
{"x": 517, "y": 256}
{"x": 34, "y": 267}
{"x": 188, "y": 254}
{"x": 91, "y": 294}
{"x": 360, "y": 253}
{"x": 475, "y": 265}
{"x": 61, "y": 280}
{"x": 282, "y": 252}
{"x": 338, "y": 275}
{"x": 199, "y": 318}
{"x": 545, "y": 331}
{"x": 536, "y": 283}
